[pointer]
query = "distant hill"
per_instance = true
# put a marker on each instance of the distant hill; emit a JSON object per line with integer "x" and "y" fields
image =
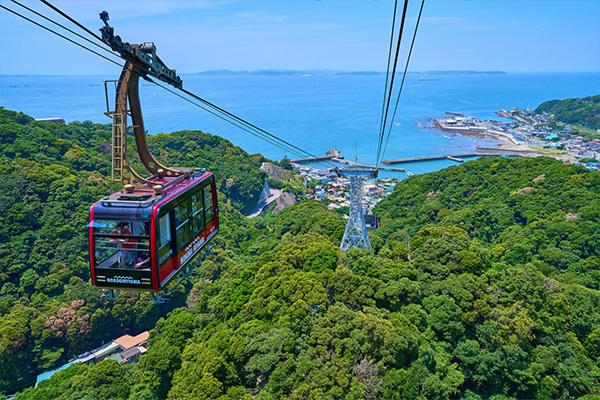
{"x": 583, "y": 112}
{"x": 319, "y": 72}
{"x": 464, "y": 72}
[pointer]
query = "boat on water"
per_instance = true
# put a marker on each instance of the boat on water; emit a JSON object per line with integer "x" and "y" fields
{"x": 409, "y": 173}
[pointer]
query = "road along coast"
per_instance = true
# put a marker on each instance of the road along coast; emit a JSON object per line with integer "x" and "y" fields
{"x": 470, "y": 126}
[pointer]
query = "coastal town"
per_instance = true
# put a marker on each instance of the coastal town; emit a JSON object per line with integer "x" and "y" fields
{"x": 526, "y": 133}
{"x": 521, "y": 132}
{"x": 327, "y": 186}
{"x": 323, "y": 185}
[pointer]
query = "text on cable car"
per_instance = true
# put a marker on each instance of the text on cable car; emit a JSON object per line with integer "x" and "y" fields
{"x": 124, "y": 279}
{"x": 191, "y": 249}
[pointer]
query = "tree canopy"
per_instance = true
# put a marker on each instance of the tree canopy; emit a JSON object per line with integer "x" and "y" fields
{"x": 482, "y": 284}
{"x": 578, "y": 111}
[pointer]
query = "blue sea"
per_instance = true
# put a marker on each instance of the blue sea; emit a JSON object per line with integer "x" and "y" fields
{"x": 315, "y": 113}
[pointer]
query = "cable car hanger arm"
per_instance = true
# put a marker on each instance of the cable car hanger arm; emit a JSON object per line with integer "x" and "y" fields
{"x": 143, "y": 56}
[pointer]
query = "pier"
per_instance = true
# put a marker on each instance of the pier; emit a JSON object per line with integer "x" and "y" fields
{"x": 459, "y": 157}
{"x": 335, "y": 156}
{"x": 491, "y": 151}
{"x": 353, "y": 164}
{"x": 329, "y": 155}
{"x": 455, "y": 157}
{"x": 473, "y": 128}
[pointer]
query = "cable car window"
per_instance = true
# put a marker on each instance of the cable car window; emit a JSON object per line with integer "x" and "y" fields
{"x": 163, "y": 228}
{"x": 183, "y": 224}
{"x": 164, "y": 245}
{"x": 122, "y": 244}
{"x": 208, "y": 204}
{"x": 197, "y": 213}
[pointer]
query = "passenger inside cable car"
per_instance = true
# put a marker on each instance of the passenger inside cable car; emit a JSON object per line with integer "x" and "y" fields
{"x": 122, "y": 244}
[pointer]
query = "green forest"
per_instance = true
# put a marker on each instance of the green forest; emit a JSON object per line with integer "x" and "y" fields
{"x": 584, "y": 112}
{"x": 483, "y": 283}
{"x": 52, "y": 173}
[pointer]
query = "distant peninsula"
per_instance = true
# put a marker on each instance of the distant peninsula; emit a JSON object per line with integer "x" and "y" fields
{"x": 328, "y": 72}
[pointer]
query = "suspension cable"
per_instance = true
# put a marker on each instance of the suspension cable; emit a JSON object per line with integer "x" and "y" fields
{"x": 58, "y": 34}
{"x": 268, "y": 140}
{"x": 72, "y": 20}
{"x": 64, "y": 27}
{"x": 393, "y": 75}
{"x": 387, "y": 75}
{"x": 243, "y": 121}
{"x": 403, "y": 76}
{"x": 237, "y": 121}
{"x": 234, "y": 117}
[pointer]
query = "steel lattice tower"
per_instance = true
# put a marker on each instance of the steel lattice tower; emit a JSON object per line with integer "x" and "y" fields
{"x": 356, "y": 232}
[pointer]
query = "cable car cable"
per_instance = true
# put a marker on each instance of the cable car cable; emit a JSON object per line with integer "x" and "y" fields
{"x": 65, "y": 15}
{"x": 302, "y": 152}
{"x": 58, "y": 34}
{"x": 223, "y": 118}
{"x": 244, "y": 121}
{"x": 387, "y": 74}
{"x": 403, "y": 76}
{"x": 64, "y": 27}
{"x": 183, "y": 90}
{"x": 397, "y": 54}
{"x": 393, "y": 75}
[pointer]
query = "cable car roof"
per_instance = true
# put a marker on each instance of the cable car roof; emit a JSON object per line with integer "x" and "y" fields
{"x": 139, "y": 202}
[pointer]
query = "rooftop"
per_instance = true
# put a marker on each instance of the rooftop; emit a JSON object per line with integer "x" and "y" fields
{"x": 128, "y": 341}
{"x": 108, "y": 348}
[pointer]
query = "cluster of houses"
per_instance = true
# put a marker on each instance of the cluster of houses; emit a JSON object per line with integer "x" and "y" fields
{"x": 545, "y": 130}
{"x": 527, "y": 127}
{"x": 335, "y": 190}
{"x": 125, "y": 349}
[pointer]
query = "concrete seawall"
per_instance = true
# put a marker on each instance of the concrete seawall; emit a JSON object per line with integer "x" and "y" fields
{"x": 458, "y": 157}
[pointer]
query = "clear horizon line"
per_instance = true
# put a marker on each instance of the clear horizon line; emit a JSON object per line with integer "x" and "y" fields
{"x": 344, "y": 71}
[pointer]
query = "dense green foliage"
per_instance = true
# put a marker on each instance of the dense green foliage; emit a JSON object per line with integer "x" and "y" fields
{"x": 51, "y": 174}
{"x": 530, "y": 210}
{"x": 243, "y": 179}
{"x": 583, "y": 112}
{"x": 494, "y": 297}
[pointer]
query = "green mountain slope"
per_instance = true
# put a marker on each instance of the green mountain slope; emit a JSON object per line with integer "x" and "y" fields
{"x": 51, "y": 174}
{"x": 495, "y": 296}
{"x": 583, "y": 112}
{"x": 524, "y": 210}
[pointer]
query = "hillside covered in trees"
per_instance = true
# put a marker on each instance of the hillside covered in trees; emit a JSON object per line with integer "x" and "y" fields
{"x": 482, "y": 283}
{"x": 51, "y": 174}
{"x": 583, "y": 112}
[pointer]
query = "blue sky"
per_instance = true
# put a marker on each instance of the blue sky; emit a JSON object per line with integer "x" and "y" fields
{"x": 192, "y": 35}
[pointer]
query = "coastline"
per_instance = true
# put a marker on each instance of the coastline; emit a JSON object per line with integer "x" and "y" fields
{"x": 507, "y": 142}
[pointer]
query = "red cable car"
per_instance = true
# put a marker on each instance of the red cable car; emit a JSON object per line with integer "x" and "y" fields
{"x": 140, "y": 240}
{"x": 156, "y": 228}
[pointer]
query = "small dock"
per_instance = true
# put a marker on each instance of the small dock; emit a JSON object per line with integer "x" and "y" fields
{"x": 459, "y": 157}
{"x": 329, "y": 155}
{"x": 455, "y": 157}
{"x": 491, "y": 151}
{"x": 353, "y": 164}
